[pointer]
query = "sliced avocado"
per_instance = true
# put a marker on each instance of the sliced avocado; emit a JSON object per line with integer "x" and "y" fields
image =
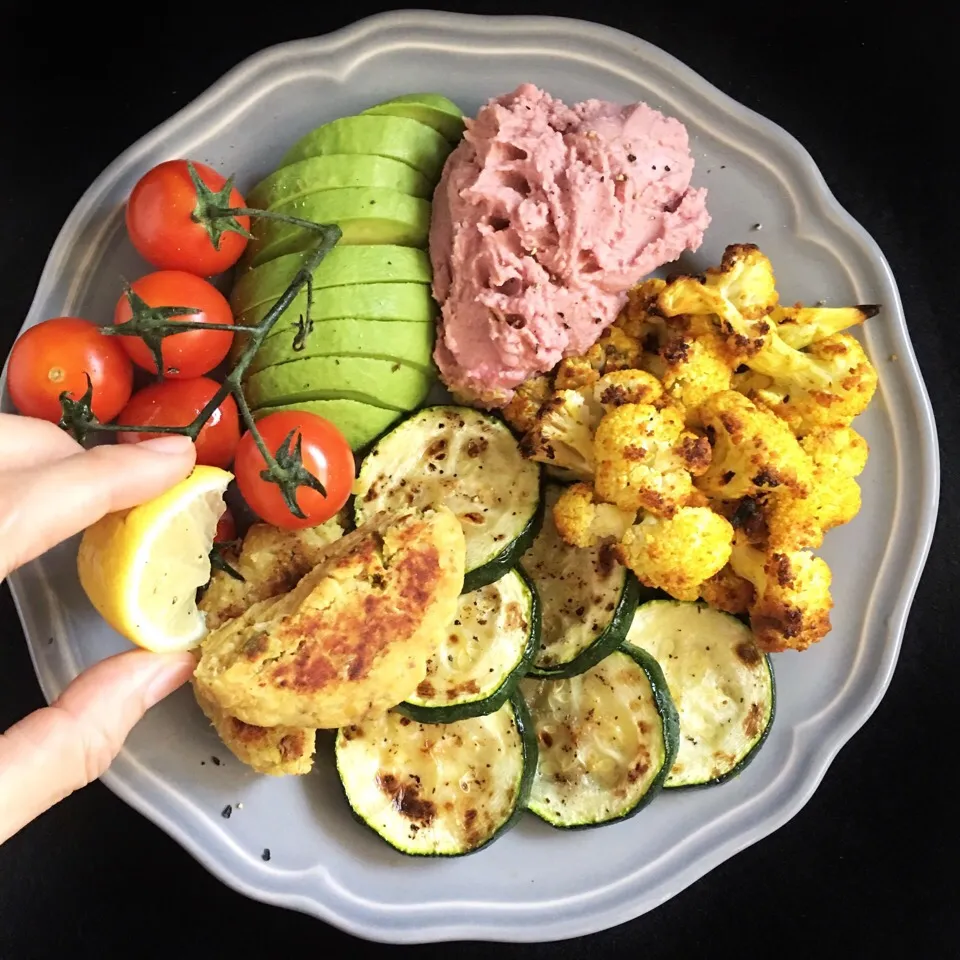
{"x": 334, "y": 171}
{"x": 360, "y": 423}
{"x": 377, "y": 263}
{"x": 411, "y": 343}
{"x": 384, "y": 383}
{"x": 367, "y": 215}
{"x": 430, "y": 108}
{"x": 400, "y": 138}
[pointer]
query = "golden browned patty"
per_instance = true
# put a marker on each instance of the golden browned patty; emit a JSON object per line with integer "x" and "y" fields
{"x": 271, "y": 561}
{"x": 273, "y": 750}
{"x": 352, "y": 639}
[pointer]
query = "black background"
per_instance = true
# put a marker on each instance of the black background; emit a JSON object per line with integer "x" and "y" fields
{"x": 869, "y": 865}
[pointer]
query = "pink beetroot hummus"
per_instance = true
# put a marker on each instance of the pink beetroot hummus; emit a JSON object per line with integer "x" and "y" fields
{"x": 545, "y": 215}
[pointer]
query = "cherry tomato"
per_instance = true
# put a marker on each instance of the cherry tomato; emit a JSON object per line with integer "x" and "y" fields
{"x": 325, "y": 453}
{"x": 161, "y": 226}
{"x": 226, "y": 528}
{"x": 194, "y": 352}
{"x": 56, "y": 356}
{"x": 175, "y": 403}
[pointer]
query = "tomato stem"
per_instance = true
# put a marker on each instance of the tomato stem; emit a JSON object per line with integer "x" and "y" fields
{"x": 152, "y": 324}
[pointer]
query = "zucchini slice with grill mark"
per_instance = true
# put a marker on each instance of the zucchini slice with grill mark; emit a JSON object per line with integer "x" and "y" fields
{"x": 607, "y": 740}
{"x": 439, "y": 789}
{"x": 722, "y": 685}
{"x": 485, "y": 655}
{"x": 469, "y": 461}
{"x": 587, "y": 599}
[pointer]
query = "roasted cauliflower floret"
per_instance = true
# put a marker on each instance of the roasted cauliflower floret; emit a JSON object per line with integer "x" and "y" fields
{"x": 575, "y": 373}
{"x": 792, "y": 602}
{"x": 627, "y": 386}
{"x": 851, "y": 384}
{"x": 562, "y": 434}
{"x": 753, "y": 450}
{"x": 615, "y": 350}
{"x": 640, "y": 316}
{"x": 838, "y": 457}
{"x": 583, "y": 521}
{"x": 678, "y": 553}
{"x": 728, "y": 592}
{"x": 799, "y": 326}
{"x": 644, "y": 458}
{"x": 524, "y": 407}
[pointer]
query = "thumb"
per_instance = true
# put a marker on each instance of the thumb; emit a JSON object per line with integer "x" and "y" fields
{"x": 42, "y": 506}
{"x": 63, "y": 747}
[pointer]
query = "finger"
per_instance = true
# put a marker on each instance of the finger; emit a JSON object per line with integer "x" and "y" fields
{"x": 42, "y": 506}
{"x": 26, "y": 442}
{"x": 65, "y": 746}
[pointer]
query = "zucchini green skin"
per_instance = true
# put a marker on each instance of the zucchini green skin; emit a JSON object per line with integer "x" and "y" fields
{"x": 670, "y": 721}
{"x": 605, "y": 644}
{"x": 748, "y": 759}
{"x": 493, "y": 570}
{"x": 480, "y": 708}
{"x": 528, "y": 741}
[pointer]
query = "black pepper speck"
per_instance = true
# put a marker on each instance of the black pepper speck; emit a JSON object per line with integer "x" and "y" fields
{"x": 226, "y": 812}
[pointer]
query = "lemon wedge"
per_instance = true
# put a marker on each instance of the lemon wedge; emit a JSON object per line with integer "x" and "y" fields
{"x": 141, "y": 567}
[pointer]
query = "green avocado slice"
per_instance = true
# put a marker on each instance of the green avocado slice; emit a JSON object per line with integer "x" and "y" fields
{"x": 334, "y": 171}
{"x": 359, "y": 263}
{"x": 410, "y": 343}
{"x": 361, "y": 423}
{"x": 430, "y": 108}
{"x": 399, "y": 138}
{"x": 367, "y": 215}
{"x": 385, "y": 383}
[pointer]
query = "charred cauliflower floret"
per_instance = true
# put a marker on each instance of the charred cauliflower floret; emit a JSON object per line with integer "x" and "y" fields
{"x": 524, "y": 407}
{"x": 839, "y": 456}
{"x": 615, "y": 350}
{"x": 728, "y": 592}
{"x": 678, "y": 553}
{"x": 575, "y": 373}
{"x": 583, "y": 521}
{"x": 644, "y": 458}
{"x": 850, "y": 385}
{"x": 640, "y": 317}
{"x": 753, "y": 450}
{"x": 792, "y": 602}
{"x": 562, "y": 434}
{"x": 799, "y": 326}
{"x": 627, "y": 386}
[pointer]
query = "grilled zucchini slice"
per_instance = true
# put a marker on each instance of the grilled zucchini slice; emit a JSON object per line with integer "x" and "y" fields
{"x": 438, "y": 789}
{"x": 484, "y": 656}
{"x": 606, "y": 738}
{"x": 469, "y": 461}
{"x": 721, "y": 683}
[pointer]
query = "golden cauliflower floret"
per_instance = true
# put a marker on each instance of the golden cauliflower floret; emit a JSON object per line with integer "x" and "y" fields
{"x": 640, "y": 317}
{"x": 562, "y": 434}
{"x": 849, "y": 383}
{"x": 575, "y": 373}
{"x": 800, "y": 326}
{"x": 615, "y": 350}
{"x": 838, "y": 455}
{"x": 753, "y": 450}
{"x": 677, "y": 554}
{"x": 693, "y": 368}
{"x": 525, "y": 404}
{"x": 627, "y": 386}
{"x": 792, "y": 602}
{"x": 728, "y": 592}
{"x": 644, "y": 458}
{"x": 583, "y": 521}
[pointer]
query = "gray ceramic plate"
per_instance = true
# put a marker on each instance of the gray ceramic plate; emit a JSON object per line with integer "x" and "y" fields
{"x": 536, "y": 883}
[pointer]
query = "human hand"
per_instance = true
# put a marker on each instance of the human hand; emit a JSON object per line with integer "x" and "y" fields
{"x": 50, "y": 489}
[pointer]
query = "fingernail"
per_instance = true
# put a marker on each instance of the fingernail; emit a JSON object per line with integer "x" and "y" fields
{"x": 168, "y": 677}
{"x": 172, "y": 444}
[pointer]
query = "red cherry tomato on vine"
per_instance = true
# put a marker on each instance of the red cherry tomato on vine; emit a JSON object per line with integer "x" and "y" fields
{"x": 161, "y": 225}
{"x": 191, "y": 353}
{"x": 226, "y": 528}
{"x": 325, "y": 453}
{"x": 56, "y": 356}
{"x": 175, "y": 403}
